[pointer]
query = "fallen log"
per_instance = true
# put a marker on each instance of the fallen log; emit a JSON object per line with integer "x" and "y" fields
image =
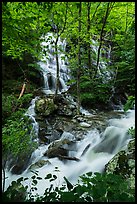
{"x": 22, "y": 90}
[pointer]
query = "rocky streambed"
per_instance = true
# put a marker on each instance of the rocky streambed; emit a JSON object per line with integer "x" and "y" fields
{"x": 61, "y": 128}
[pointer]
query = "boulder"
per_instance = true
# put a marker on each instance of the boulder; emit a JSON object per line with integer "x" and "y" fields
{"x": 65, "y": 106}
{"x": 56, "y": 152}
{"x": 45, "y": 106}
{"x": 39, "y": 164}
{"x": 123, "y": 163}
{"x": 57, "y": 148}
{"x": 48, "y": 136}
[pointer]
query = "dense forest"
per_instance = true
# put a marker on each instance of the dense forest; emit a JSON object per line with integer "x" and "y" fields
{"x": 100, "y": 52}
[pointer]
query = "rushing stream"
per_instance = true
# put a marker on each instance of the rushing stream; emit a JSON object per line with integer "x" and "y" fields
{"x": 93, "y": 151}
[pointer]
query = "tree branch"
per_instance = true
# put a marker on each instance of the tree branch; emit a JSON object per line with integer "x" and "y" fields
{"x": 65, "y": 20}
{"x": 95, "y": 11}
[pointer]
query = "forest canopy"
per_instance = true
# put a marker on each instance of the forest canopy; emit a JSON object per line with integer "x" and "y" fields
{"x": 108, "y": 23}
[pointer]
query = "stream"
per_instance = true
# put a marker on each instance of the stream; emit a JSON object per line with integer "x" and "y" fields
{"x": 94, "y": 150}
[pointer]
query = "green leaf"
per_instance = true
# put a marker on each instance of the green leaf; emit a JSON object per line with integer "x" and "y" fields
{"x": 48, "y": 176}
{"x": 35, "y": 182}
{"x": 20, "y": 179}
{"x": 69, "y": 185}
{"x": 39, "y": 178}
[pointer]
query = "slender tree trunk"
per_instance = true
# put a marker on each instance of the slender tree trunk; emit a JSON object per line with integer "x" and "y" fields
{"x": 88, "y": 46}
{"x": 56, "y": 50}
{"x": 101, "y": 37}
{"x": 126, "y": 19}
{"x": 79, "y": 62}
{"x": 57, "y": 63}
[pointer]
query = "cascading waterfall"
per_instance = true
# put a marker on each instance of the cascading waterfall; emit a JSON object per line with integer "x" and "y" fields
{"x": 105, "y": 53}
{"x": 93, "y": 151}
{"x": 48, "y": 65}
{"x": 31, "y": 114}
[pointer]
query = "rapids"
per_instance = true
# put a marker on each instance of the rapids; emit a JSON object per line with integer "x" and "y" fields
{"x": 102, "y": 147}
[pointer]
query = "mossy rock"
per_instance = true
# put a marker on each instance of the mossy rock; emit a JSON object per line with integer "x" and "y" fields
{"x": 45, "y": 106}
{"x": 123, "y": 163}
{"x": 39, "y": 164}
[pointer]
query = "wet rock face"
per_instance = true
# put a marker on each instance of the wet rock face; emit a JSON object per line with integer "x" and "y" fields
{"x": 123, "y": 163}
{"x": 56, "y": 152}
{"x": 47, "y": 105}
{"x": 21, "y": 163}
{"x": 65, "y": 106}
{"x": 59, "y": 112}
{"x": 52, "y": 127}
{"x": 47, "y": 136}
{"x": 58, "y": 148}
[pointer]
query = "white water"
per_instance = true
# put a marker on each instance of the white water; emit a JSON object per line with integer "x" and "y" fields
{"x": 102, "y": 147}
{"x": 48, "y": 65}
{"x": 31, "y": 114}
{"x": 102, "y": 68}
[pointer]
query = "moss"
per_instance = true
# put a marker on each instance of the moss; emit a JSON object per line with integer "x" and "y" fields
{"x": 123, "y": 163}
{"x": 45, "y": 106}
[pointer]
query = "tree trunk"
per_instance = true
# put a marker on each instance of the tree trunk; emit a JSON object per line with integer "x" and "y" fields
{"x": 56, "y": 49}
{"x": 57, "y": 63}
{"x": 88, "y": 45}
{"x": 126, "y": 19}
{"x": 101, "y": 37}
{"x": 79, "y": 62}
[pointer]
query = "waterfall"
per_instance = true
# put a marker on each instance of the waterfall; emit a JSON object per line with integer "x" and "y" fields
{"x": 31, "y": 114}
{"x": 48, "y": 65}
{"x": 94, "y": 150}
{"x": 105, "y": 53}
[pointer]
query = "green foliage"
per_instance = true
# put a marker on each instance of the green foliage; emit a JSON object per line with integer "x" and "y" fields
{"x": 93, "y": 92}
{"x": 11, "y": 86}
{"x": 9, "y": 102}
{"x": 16, "y": 129}
{"x": 16, "y": 192}
{"x": 91, "y": 187}
{"x": 25, "y": 100}
{"x": 130, "y": 103}
{"x": 12, "y": 107}
{"x": 119, "y": 28}
{"x": 107, "y": 188}
{"x": 24, "y": 23}
{"x": 16, "y": 136}
{"x": 131, "y": 131}
{"x": 124, "y": 60}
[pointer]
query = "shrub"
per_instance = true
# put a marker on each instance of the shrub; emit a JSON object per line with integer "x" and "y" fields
{"x": 16, "y": 137}
{"x": 11, "y": 105}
